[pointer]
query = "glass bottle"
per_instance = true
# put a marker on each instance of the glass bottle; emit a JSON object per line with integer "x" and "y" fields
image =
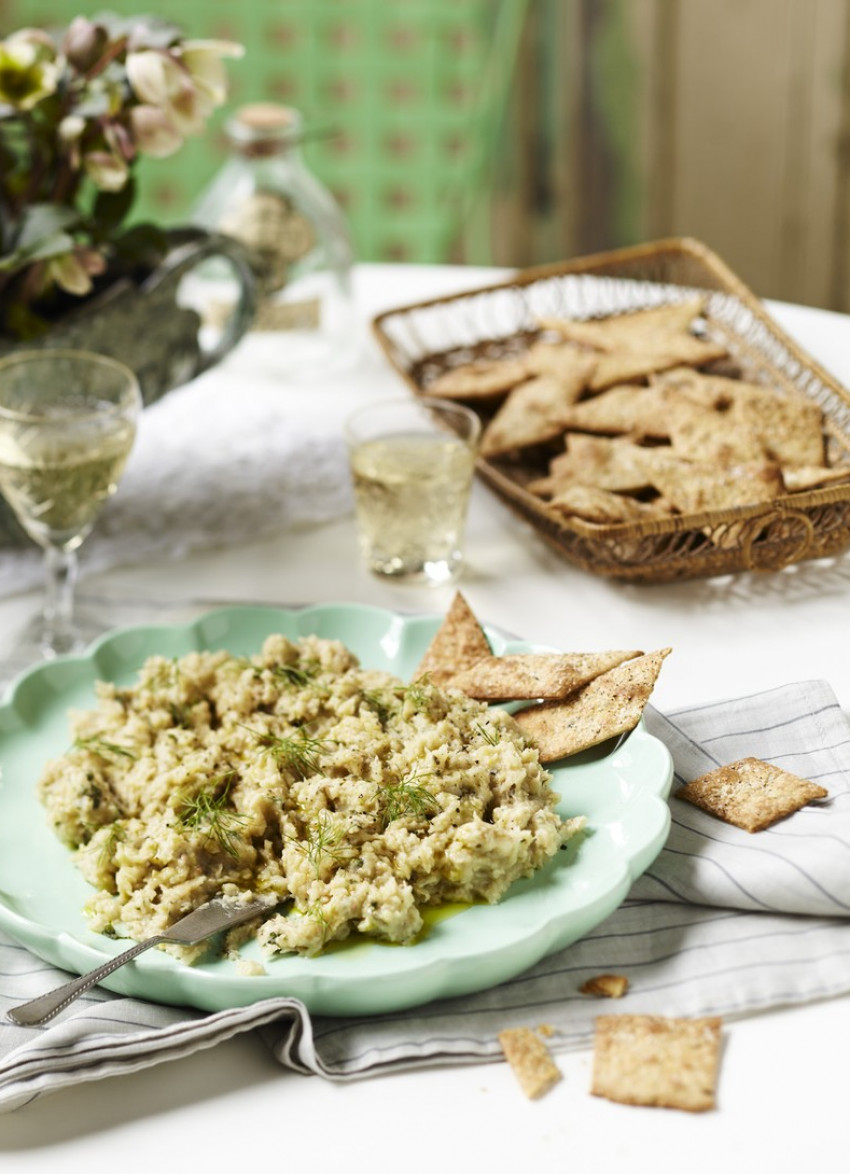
{"x": 296, "y": 238}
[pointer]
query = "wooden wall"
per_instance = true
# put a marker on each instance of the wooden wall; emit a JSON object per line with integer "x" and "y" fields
{"x": 728, "y": 120}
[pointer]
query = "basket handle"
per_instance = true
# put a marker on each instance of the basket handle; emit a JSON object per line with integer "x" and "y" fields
{"x": 764, "y": 559}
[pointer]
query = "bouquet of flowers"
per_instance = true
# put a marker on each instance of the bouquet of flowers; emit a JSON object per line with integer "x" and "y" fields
{"x": 77, "y": 109}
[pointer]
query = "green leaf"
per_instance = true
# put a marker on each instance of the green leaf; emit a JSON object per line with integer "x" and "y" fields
{"x": 142, "y": 245}
{"x": 40, "y": 221}
{"x": 23, "y": 323}
{"x": 93, "y": 105}
{"x": 110, "y": 208}
{"x": 42, "y": 250}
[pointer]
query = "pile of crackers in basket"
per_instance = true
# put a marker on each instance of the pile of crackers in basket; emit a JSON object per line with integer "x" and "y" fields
{"x": 641, "y": 415}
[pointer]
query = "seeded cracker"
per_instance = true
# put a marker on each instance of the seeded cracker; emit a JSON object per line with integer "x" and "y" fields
{"x": 750, "y": 793}
{"x": 458, "y": 644}
{"x": 649, "y": 1060}
{"x": 609, "y": 705}
{"x": 530, "y": 676}
{"x": 530, "y": 1060}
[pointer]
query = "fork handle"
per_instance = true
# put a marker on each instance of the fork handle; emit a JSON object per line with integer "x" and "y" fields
{"x": 44, "y": 1007}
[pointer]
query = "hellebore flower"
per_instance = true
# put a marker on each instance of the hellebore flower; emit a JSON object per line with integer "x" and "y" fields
{"x": 203, "y": 60}
{"x": 78, "y": 109}
{"x": 186, "y": 82}
{"x": 107, "y": 170}
{"x": 153, "y": 132}
{"x": 73, "y": 271}
{"x": 84, "y": 43}
{"x": 28, "y": 69}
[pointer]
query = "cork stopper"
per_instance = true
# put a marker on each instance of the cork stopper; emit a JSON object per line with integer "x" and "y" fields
{"x": 264, "y": 128}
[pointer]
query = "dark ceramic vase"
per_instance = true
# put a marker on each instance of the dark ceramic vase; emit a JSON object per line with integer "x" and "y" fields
{"x": 146, "y": 326}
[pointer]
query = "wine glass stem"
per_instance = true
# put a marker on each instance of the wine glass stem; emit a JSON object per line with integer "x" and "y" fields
{"x": 61, "y": 577}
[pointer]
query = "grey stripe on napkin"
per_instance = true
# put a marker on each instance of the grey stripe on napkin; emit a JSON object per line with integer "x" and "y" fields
{"x": 724, "y": 922}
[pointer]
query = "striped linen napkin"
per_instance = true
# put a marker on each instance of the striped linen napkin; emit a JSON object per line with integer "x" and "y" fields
{"x": 724, "y": 923}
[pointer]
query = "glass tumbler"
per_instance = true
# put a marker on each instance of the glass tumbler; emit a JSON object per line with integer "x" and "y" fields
{"x": 412, "y": 463}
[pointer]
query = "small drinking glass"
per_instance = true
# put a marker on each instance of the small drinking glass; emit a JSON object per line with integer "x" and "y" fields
{"x": 67, "y": 424}
{"x": 412, "y": 463}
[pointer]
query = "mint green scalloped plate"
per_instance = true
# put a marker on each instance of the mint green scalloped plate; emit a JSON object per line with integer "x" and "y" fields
{"x": 622, "y": 791}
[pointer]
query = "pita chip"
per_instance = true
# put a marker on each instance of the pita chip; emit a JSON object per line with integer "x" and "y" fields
{"x": 692, "y": 386}
{"x": 790, "y": 428}
{"x": 694, "y": 486}
{"x": 641, "y": 411}
{"x": 601, "y": 506}
{"x": 531, "y": 676}
{"x": 608, "y": 463}
{"x": 483, "y": 379}
{"x": 611, "y": 704}
{"x": 629, "y": 331}
{"x": 641, "y": 342}
{"x": 532, "y": 414}
{"x": 700, "y": 434}
{"x": 624, "y": 366}
{"x": 459, "y": 643}
{"x": 561, "y": 360}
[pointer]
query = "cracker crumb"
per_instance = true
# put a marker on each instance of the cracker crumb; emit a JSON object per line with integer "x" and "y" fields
{"x": 530, "y": 1060}
{"x": 249, "y": 967}
{"x": 606, "y": 986}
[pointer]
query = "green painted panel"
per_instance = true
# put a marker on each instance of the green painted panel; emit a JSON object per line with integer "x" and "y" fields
{"x": 414, "y": 91}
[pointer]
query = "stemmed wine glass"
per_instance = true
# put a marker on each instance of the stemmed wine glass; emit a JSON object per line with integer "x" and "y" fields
{"x": 67, "y": 424}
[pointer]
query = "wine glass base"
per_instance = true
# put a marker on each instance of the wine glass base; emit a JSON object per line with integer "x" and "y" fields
{"x": 31, "y": 643}
{"x": 95, "y": 615}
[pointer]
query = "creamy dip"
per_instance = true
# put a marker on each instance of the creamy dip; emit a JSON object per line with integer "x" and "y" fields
{"x": 349, "y": 798}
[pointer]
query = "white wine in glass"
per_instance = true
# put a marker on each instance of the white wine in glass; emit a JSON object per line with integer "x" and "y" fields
{"x": 67, "y": 424}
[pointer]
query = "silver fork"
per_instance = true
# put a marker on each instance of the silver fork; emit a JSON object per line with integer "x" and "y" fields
{"x": 201, "y": 923}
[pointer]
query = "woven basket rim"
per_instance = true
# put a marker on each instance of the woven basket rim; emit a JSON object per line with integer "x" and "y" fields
{"x": 636, "y": 262}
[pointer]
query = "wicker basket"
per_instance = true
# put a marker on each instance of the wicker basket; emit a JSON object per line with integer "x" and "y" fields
{"x": 424, "y": 340}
